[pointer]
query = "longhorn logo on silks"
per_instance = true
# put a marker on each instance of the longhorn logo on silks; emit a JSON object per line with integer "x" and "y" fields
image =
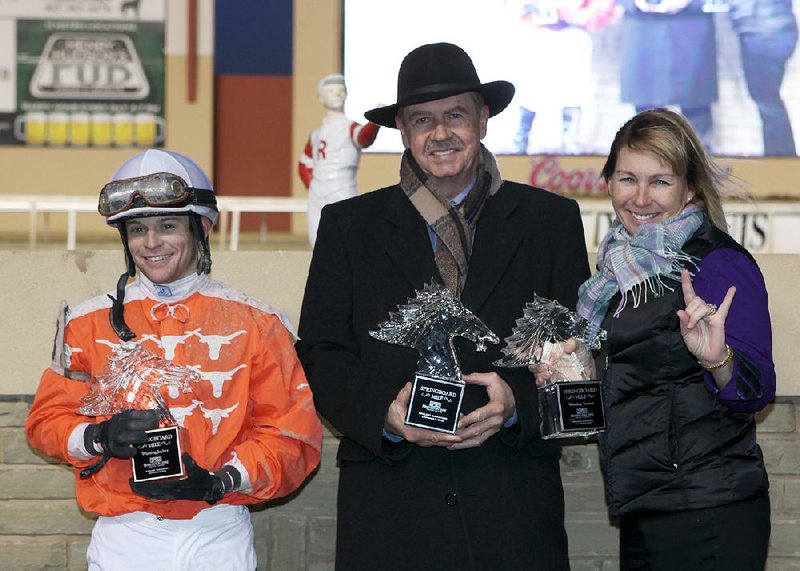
{"x": 89, "y": 66}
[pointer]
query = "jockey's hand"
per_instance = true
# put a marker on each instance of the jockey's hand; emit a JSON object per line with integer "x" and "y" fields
{"x": 119, "y": 435}
{"x": 199, "y": 484}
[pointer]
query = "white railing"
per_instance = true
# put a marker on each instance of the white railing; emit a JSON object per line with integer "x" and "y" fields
{"x": 763, "y": 227}
{"x": 33, "y": 204}
{"x": 235, "y": 205}
{"x": 231, "y": 207}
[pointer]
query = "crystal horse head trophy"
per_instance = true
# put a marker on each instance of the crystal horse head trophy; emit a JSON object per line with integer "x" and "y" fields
{"x": 133, "y": 380}
{"x": 570, "y": 404}
{"x": 428, "y": 323}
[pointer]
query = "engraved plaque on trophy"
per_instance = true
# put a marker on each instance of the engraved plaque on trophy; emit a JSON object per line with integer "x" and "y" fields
{"x": 159, "y": 457}
{"x": 435, "y": 403}
{"x": 428, "y": 323}
{"x": 570, "y": 404}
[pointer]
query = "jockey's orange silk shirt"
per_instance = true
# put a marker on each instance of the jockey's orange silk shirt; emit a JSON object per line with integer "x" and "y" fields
{"x": 252, "y": 407}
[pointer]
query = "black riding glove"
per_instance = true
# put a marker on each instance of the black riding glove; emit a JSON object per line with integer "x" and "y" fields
{"x": 119, "y": 435}
{"x": 199, "y": 484}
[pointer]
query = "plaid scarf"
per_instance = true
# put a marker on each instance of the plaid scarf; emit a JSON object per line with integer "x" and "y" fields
{"x": 636, "y": 265}
{"x": 454, "y": 225}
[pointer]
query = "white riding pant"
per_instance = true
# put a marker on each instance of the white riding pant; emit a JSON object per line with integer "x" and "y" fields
{"x": 219, "y": 538}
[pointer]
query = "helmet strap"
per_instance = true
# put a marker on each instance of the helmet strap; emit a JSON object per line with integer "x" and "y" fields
{"x": 117, "y": 314}
{"x": 129, "y": 263}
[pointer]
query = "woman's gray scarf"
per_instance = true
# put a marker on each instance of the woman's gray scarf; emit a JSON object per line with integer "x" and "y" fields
{"x": 636, "y": 265}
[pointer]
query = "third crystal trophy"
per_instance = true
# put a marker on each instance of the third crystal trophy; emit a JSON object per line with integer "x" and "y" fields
{"x": 570, "y": 403}
{"x": 428, "y": 323}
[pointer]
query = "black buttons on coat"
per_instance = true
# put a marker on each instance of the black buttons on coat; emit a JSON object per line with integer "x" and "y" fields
{"x": 451, "y": 499}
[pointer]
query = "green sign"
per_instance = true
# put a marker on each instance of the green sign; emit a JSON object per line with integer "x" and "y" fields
{"x": 88, "y": 83}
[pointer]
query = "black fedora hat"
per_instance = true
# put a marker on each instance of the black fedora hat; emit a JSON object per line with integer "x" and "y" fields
{"x": 436, "y": 71}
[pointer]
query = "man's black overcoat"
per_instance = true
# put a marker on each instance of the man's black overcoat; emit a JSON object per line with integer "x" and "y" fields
{"x": 401, "y": 506}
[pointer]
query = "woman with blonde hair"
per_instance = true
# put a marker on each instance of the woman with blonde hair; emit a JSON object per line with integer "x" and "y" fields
{"x": 687, "y": 360}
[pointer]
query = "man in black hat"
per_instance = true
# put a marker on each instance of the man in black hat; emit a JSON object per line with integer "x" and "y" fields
{"x": 490, "y": 495}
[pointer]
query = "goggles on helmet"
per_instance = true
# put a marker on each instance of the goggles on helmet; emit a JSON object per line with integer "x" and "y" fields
{"x": 155, "y": 190}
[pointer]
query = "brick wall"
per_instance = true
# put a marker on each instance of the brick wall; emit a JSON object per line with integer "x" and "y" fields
{"x": 41, "y": 526}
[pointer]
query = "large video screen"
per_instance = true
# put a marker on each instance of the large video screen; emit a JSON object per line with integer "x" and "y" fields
{"x": 582, "y": 67}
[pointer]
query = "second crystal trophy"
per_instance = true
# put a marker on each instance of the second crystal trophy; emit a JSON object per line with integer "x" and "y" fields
{"x": 428, "y": 323}
{"x": 570, "y": 403}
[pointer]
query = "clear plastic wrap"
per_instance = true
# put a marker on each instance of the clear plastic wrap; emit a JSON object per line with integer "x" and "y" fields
{"x": 538, "y": 337}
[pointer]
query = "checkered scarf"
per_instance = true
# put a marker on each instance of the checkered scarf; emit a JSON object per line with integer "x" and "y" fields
{"x": 637, "y": 265}
{"x": 454, "y": 225}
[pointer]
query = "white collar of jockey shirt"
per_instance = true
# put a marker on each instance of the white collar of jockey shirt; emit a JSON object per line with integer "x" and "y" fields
{"x": 174, "y": 291}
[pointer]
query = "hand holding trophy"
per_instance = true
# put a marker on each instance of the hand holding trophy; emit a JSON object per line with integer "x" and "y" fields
{"x": 552, "y": 341}
{"x": 131, "y": 383}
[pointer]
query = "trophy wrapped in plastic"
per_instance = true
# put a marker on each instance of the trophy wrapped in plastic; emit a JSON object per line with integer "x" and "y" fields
{"x": 570, "y": 404}
{"x": 428, "y": 323}
{"x": 133, "y": 380}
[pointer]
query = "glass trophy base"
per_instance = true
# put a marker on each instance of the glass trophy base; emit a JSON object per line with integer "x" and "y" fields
{"x": 435, "y": 403}
{"x": 159, "y": 457}
{"x": 571, "y": 408}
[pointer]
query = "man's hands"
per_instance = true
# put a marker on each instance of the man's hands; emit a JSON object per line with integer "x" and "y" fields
{"x": 476, "y": 427}
{"x": 473, "y": 428}
{"x": 199, "y": 484}
{"x": 119, "y": 435}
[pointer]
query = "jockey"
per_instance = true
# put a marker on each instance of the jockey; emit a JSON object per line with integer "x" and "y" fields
{"x": 247, "y": 427}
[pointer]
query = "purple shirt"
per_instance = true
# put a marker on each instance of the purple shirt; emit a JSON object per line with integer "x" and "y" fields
{"x": 748, "y": 331}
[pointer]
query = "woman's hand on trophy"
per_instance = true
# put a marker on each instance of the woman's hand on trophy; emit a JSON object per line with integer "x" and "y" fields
{"x": 395, "y": 423}
{"x": 541, "y": 373}
{"x": 568, "y": 360}
{"x": 583, "y": 357}
{"x": 477, "y": 426}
